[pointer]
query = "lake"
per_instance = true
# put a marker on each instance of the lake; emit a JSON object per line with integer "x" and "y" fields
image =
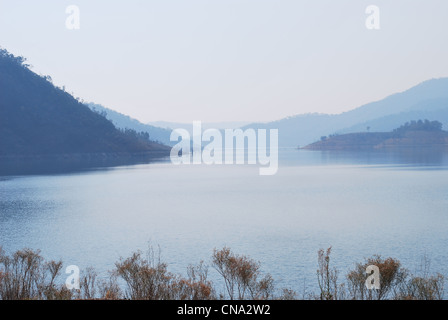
{"x": 388, "y": 203}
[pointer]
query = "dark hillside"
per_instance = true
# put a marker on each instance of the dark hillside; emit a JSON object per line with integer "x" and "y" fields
{"x": 37, "y": 118}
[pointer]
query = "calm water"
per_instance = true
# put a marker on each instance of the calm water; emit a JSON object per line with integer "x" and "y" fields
{"x": 388, "y": 204}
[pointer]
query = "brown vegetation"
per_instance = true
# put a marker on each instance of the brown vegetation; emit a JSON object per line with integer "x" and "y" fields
{"x": 25, "y": 275}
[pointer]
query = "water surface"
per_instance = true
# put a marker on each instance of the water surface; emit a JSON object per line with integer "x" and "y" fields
{"x": 360, "y": 204}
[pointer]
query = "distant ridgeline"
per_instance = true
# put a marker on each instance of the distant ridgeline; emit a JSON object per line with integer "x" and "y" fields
{"x": 415, "y": 134}
{"x": 427, "y": 100}
{"x": 125, "y": 122}
{"x": 39, "y": 120}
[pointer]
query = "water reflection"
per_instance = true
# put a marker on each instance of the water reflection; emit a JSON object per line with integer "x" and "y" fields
{"x": 69, "y": 164}
{"x": 430, "y": 158}
{"x": 397, "y": 157}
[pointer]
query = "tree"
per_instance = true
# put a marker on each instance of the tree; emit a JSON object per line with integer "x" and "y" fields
{"x": 420, "y": 125}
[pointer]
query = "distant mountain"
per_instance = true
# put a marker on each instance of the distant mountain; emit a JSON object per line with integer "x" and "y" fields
{"x": 205, "y": 125}
{"x": 122, "y": 121}
{"x": 419, "y": 135}
{"x": 428, "y": 100}
{"x": 435, "y": 109}
{"x": 39, "y": 119}
{"x": 159, "y": 131}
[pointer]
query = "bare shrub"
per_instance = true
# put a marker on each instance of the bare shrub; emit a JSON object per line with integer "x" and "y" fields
{"x": 146, "y": 279}
{"x": 392, "y": 277}
{"x": 201, "y": 287}
{"x": 241, "y": 276}
{"x": 424, "y": 286}
{"x": 26, "y": 276}
{"x": 288, "y": 294}
{"x": 22, "y": 275}
{"x": 150, "y": 279}
{"x": 429, "y": 288}
{"x": 195, "y": 287}
{"x": 52, "y": 290}
{"x": 109, "y": 289}
{"x": 327, "y": 278}
{"x": 87, "y": 285}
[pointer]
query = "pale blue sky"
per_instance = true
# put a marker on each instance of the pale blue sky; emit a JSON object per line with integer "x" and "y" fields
{"x": 224, "y": 60}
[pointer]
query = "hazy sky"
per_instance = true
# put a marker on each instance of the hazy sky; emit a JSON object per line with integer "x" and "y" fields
{"x": 223, "y": 60}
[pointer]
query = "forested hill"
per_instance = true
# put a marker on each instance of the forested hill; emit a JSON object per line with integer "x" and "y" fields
{"x": 418, "y": 135}
{"x": 38, "y": 118}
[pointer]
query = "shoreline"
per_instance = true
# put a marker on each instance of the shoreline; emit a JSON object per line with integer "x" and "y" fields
{"x": 64, "y": 163}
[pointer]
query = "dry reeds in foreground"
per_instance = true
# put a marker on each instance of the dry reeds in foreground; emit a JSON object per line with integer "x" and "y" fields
{"x": 26, "y": 275}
